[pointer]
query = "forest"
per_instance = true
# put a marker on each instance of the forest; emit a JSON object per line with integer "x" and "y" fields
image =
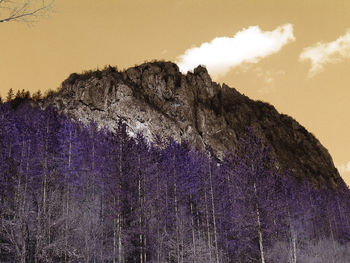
{"x": 76, "y": 193}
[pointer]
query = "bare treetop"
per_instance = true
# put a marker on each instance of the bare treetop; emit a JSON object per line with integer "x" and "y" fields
{"x": 24, "y": 10}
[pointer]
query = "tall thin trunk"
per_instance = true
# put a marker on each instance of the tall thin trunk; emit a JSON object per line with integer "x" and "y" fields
{"x": 45, "y": 225}
{"x": 140, "y": 210}
{"x": 144, "y": 250}
{"x": 182, "y": 246}
{"x": 67, "y": 198}
{"x": 292, "y": 234}
{"x": 119, "y": 219}
{"x": 158, "y": 219}
{"x": 213, "y": 213}
{"x": 117, "y": 232}
{"x": 166, "y": 209}
{"x": 261, "y": 247}
{"x": 19, "y": 184}
{"x": 87, "y": 248}
{"x": 26, "y": 177}
{"x": 26, "y": 234}
{"x": 45, "y": 168}
{"x": 93, "y": 195}
{"x": 207, "y": 223}
{"x": 292, "y": 249}
{"x": 192, "y": 228}
{"x": 294, "y": 245}
{"x": 66, "y": 224}
{"x": 93, "y": 168}
{"x": 176, "y": 213}
{"x": 177, "y": 225}
{"x": 198, "y": 226}
{"x": 114, "y": 233}
{"x": 19, "y": 208}
{"x": 102, "y": 224}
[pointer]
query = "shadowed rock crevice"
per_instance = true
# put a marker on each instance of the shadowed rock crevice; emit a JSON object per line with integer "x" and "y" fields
{"x": 155, "y": 98}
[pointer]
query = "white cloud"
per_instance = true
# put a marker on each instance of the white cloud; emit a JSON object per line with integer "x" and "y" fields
{"x": 247, "y": 46}
{"x": 343, "y": 168}
{"x": 321, "y": 53}
{"x": 267, "y": 78}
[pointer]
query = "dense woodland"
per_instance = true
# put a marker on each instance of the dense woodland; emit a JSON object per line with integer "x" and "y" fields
{"x": 74, "y": 193}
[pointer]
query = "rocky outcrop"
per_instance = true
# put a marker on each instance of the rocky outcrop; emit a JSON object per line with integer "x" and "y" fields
{"x": 155, "y": 98}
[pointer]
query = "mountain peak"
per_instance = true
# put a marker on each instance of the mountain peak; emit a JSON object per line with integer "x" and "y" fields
{"x": 156, "y": 98}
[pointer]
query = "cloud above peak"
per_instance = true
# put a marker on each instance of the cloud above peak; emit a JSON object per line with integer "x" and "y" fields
{"x": 249, "y": 45}
{"x": 321, "y": 53}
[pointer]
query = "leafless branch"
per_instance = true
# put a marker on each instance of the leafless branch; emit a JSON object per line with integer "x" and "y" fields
{"x": 24, "y": 10}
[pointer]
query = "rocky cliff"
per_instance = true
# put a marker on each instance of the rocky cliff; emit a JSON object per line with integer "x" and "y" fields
{"x": 155, "y": 98}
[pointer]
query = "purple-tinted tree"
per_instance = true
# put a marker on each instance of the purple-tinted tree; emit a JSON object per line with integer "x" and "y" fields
{"x": 74, "y": 193}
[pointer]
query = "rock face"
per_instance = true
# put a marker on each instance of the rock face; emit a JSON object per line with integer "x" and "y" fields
{"x": 155, "y": 98}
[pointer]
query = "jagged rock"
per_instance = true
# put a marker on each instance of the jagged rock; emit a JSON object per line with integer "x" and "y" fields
{"x": 155, "y": 98}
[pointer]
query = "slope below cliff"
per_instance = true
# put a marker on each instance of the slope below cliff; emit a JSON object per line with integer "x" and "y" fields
{"x": 155, "y": 98}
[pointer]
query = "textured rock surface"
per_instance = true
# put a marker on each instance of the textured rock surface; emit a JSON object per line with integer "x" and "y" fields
{"x": 155, "y": 98}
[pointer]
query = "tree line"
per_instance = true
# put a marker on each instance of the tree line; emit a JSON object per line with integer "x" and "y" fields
{"x": 80, "y": 193}
{"x": 23, "y": 95}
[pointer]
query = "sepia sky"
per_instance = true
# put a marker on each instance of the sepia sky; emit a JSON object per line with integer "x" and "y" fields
{"x": 294, "y": 54}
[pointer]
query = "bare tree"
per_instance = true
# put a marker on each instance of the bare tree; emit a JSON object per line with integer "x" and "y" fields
{"x": 24, "y": 10}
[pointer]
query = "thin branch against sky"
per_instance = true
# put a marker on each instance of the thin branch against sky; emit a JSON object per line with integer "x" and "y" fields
{"x": 24, "y": 11}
